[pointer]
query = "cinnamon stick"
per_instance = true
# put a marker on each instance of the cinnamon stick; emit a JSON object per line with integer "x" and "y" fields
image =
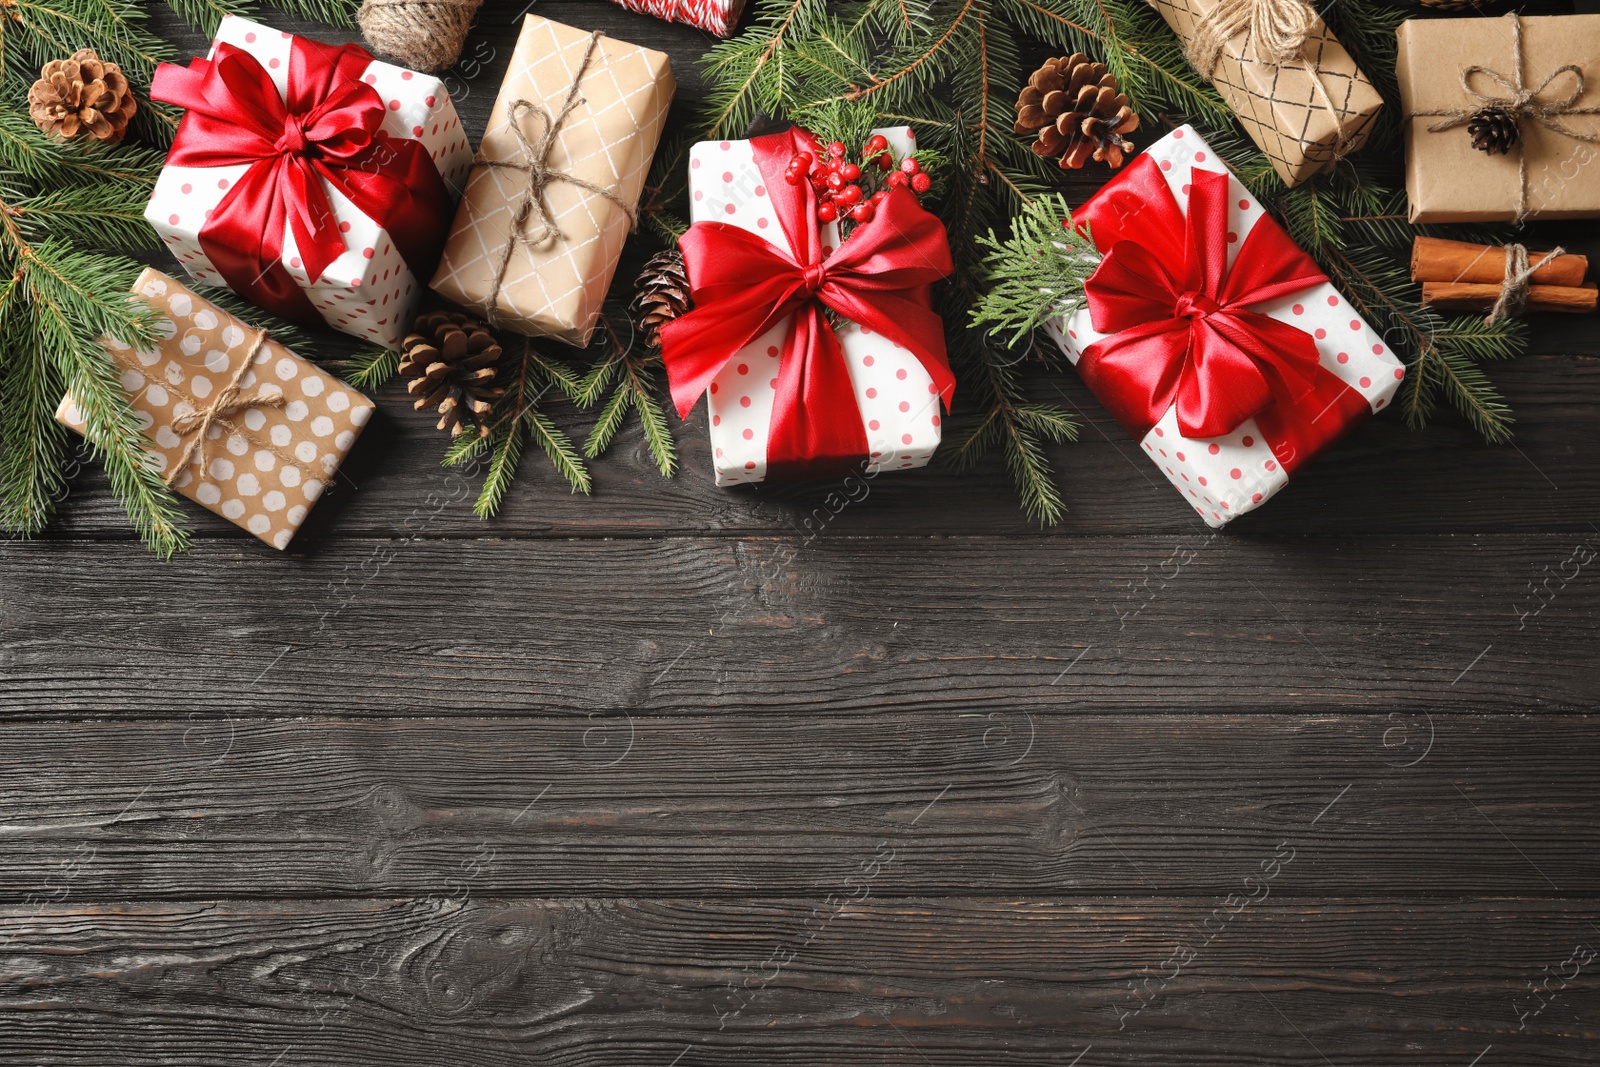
{"x": 1434, "y": 259}
{"x": 1480, "y": 296}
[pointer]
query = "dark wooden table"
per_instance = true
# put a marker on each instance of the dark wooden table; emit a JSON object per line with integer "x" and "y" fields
{"x": 676, "y": 776}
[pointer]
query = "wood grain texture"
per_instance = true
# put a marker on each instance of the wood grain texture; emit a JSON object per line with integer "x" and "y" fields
{"x": 750, "y": 806}
{"x": 680, "y": 625}
{"x": 824, "y": 980}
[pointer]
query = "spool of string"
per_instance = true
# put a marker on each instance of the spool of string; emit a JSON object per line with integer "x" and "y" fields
{"x": 424, "y": 35}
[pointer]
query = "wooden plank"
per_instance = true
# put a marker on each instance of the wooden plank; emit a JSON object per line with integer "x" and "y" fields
{"x": 686, "y": 624}
{"x": 758, "y": 805}
{"x": 1384, "y": 479}
{"x": 823, "y": 981}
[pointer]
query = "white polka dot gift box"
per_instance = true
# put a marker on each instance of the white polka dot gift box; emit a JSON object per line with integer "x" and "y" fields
{"x": 313, "y": 179}
{"x": 790, "y": 393}
{"x": 1215, "y": 341}
{"x": 556, "y": 181}
{"x": 236, "y": 421}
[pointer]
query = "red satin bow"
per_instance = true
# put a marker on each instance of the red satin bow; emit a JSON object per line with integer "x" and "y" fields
{"x": 743, "y": 285}
{"x": 1178, "y": 315}
{"x": 328, "y": 129}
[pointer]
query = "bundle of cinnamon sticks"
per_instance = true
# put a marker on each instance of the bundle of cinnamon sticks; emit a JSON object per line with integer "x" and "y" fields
{"x": 1461, "y": 276}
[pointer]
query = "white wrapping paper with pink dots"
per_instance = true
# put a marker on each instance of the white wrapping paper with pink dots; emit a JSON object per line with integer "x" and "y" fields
{"x": 1224, "y": 477}
{"x": 898, "y": 401}
{"x": 714, "y": 16}
{"x": 270, "y": 452}
{"x": 368, "y": 291}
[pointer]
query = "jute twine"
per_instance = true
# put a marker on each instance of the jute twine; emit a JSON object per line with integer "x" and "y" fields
{"x": 1518, "y": 279}
{"x": 1522, "y": 102}
{"x": 425, "y": 35}
{"x": 227, "y": 402}
{"x": 531, "y": 209}
{"x": 1278, "y": 30}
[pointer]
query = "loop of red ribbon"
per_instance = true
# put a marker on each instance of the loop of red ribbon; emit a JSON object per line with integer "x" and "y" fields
{"x": 743, "y": 285}
{"x": 1179, "y": 319}
{"x": 325, "y": 128}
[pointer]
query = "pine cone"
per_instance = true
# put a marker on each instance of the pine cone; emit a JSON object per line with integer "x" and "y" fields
{"x": 1493, "y": 130}
{"x": 663, "y": 295}
{"x": 80, "y": 94}
{"x": 451, "y": 360}
{"x": 1074, "y": 105}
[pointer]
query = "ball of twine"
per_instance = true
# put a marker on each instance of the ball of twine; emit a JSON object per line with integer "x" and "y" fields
{"x": 425, "y": 35}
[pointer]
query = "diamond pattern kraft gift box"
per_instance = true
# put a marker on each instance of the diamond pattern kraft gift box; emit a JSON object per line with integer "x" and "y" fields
{"x": 314, "y": 180}
{"x": 714, "y": 16}
{"x": 556, "y": 182}
{"x": 791, "y": 395}
{"x": 1306, "y": 111}
{"x": 1543, "y": 76}
{"x": 236, "y": 421}
{"x": 1211, "y": 337}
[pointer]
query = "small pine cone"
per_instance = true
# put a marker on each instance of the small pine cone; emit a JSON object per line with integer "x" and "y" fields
{"x": 1493, "y": 130}
{"x": 663, "y": 295}
{"x": 451, "y": 360}
{"x": 80, "y": 95}
{"x": 1075, "y": 108}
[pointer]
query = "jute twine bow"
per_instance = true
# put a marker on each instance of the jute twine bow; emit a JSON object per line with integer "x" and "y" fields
{"x": 1522, "y": 102}
{"x": 532, "y": 209}
{"x": 1519, "y": 277}
{"x": 227, "y": 402}
{"x": 1278, "y": 30}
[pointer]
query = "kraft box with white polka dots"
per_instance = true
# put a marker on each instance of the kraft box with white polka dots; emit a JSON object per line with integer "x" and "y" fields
{"x": 1224, "y": 477}
{"x": 264, "y": 464}
{"x": 368, "y": 291}
{"x": 896, "y": 398}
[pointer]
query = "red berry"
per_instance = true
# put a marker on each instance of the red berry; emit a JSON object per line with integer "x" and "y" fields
{"x": 850, "y": 172}
{"x": 921, "y": 182}
{"x": 792, "y": 178}
{"x": 805, "y": 159}
{"x": 826, "y": 212}
{"x": 877, "y": 143}
{"x": 835, "y": 148}
{"x": 850, "y": 194}
{"x": 879, "y": 195}
{"x": 899, "y": 180}
{"x": 836, "y": 181}
{"x": 910, "y": 165}
{"x": 885, "y": 161}
{"x": 862, "y": 212}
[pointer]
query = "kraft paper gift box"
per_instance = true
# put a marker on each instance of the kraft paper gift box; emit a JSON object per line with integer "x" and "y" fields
{"x": 714, "y": 16}
{"x": 261, "y": 451}
{"x": 1548, "y": 174}
{"x": 1353, "y": 375}
{"x": 369, "y": 290}
{"x": 897, "y": 402}
{"x": 539, "y": 261}
{"x": 1303, "y": 114}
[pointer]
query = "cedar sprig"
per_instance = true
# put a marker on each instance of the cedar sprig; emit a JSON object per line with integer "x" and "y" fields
{"x": 1037, "y": 272}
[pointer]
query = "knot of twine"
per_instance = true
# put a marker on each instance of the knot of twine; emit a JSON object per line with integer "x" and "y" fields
{"x": 1518, "y": 279}
{"x": 227, "y": 402}
{"x": 424, "y": 34}
{"x": 1278, "y": 30}
{"x": 535, "y": 163}
{"x": 1523, "y": 104}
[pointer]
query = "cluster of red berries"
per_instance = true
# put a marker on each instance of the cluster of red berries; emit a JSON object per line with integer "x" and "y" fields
{"x": 838, "y": 182}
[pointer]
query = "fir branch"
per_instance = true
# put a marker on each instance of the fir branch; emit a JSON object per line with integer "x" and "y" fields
{"x": 1037, "y": 273}
{"x": 369, "y": 368}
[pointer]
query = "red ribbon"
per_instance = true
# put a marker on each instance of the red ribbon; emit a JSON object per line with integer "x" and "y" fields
{"x": 1181, "y": 329}
{"x": 327, "y": 130}
{"x": 743, "y": 285}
